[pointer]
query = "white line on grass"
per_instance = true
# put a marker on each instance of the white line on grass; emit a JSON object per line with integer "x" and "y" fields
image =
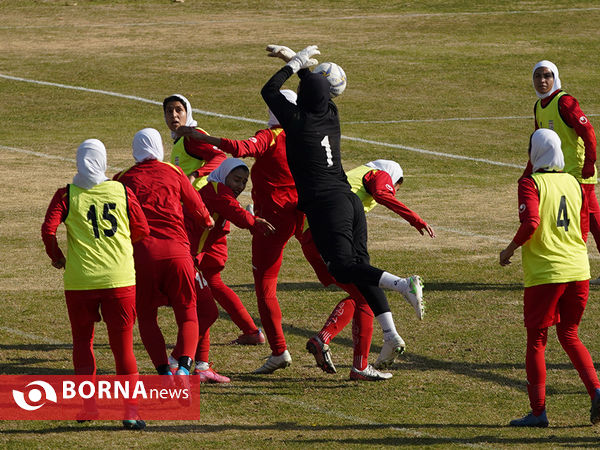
{"x": 264, "y": 18}
{"x": 225, "y": 116}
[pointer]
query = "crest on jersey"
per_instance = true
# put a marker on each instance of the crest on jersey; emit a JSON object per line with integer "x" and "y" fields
{"x": 583, "y": 120}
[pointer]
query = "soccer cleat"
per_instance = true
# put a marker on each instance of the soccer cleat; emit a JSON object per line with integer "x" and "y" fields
{"x": 595, "y": 409}
{"x": 275, "y": 362}
{"x": 137, "y": 424}
{"x": 530, "y": 420}
{"x": 391, "y": 348}
{"x": 414, "y": 295}
{"x": 209, "y": 376}
{"x": 321, "y": 353}
{"x": 369, "y": 373}
{"x": 182, "y": 380}
{"x": 257, "y": 338}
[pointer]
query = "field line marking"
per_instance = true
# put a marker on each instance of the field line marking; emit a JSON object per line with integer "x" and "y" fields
{"x": 226, "y": 116}
{"x": 307, "y": 19}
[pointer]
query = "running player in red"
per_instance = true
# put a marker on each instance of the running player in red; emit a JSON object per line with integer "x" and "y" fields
{"x": 375, "y": 183}
{"x": 102, "y": 219}
{"x": 225, "y": 184}
{"x": 275, "y": 199}
{"x": 560, "y": 112}
{"x": 196, "y": 158}
{"x": 553, "y": 231}
{"x": 164, "y": 268}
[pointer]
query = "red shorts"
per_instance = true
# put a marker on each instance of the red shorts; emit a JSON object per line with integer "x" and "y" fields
{"x": 116, "y": 305}
{"x": 547, "y": 304}
{"x": 589, "y": 190}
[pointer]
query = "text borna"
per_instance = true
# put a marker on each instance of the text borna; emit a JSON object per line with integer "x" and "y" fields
{"x": 116, "y": 389}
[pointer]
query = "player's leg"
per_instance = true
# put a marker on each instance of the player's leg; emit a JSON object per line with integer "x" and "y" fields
{"x": 179, "y": 284}
{"x": 572, "y": 305}
{"x": 83, "y": 310}
{"x": 267, "y": 256}
{"x": 231, "y": 303}
{"x": 540, "y": 311}
{"x": 118, "y": 312}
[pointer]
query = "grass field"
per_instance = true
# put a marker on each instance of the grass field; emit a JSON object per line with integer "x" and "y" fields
{"x": 442, "y": 87}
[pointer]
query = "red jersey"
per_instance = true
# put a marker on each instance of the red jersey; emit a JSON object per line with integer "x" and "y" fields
{"x": 573, "y": 116}
{"x": 379, "y": 184}
{"x": 529, "y": 205}
{"x": 224, "y": 207}
{"x": 57, "y": 213}
{"x": 161, "y": 188}
{"x": 272, "y": 182}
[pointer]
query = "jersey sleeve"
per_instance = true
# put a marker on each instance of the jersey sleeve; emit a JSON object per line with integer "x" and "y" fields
{"x": 529, "y": 216}
{"x": 193, "y": 202}
{"x": 55, "y": 214}
{"x": 255, "y": 146}
{"x": 229, "y": 208}
{"x": 573, "y": 116}
{"x": 138, "y": 224}
{"x": 379, "y": 184}
{"x": 275, "y": 100}
{"x": 207, "y": 152}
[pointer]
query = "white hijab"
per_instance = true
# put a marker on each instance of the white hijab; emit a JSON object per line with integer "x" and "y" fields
{"x": 392, "y": 168}
{"x": 189, "y": 122}
{"x": 546, "y": 152}
{"x": 550, "y": 65}
{"x": 147, "y": 144}
{"x": 91, "y": 164}
{"x": 291, "y": 96}
{"x": 221, "y": 172}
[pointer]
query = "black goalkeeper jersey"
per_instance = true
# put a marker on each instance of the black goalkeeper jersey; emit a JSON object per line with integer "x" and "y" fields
{"x": 312, "y": 129}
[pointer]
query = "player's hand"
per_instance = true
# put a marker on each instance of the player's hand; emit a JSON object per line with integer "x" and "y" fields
{"x": 210, "y": 223}
{"x": 304, "y": 58}
{"x": 59, "y": 263}
{"x": 280, "y": 51}
{"x": 429, "y": 230}
{"x": 188, "y": 132}
{"x": 588, "y": 169}
{"x": 505, "y": 256}
{"x": 263, "y": 227}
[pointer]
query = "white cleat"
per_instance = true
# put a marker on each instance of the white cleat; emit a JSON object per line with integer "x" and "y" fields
{"x": 389, "y": 351}
{"x": 369, "y": 374}
{"x": 275, "y": 362}
{"x": 414, "y": 295}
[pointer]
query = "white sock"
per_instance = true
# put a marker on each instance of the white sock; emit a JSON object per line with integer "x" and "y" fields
{"x": 386, "y": 321}
{"x": 389, "y": 281}
{"x": 202, "y": 365}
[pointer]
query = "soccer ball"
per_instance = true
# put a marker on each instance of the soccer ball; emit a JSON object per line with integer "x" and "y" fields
{"x": 335, "y": 75}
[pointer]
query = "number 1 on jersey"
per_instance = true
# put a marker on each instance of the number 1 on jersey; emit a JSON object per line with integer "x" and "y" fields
{"x": 325, "y": 144}
{"x": 563, "y": 217}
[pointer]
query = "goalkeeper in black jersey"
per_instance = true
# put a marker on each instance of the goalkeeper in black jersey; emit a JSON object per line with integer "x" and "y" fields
{"x": 335, "y": 214}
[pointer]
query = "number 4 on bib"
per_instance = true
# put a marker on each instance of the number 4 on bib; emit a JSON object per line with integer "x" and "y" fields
{"x": 562, "y": 219}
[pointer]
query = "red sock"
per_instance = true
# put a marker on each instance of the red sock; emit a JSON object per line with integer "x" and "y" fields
{"x": 362, "y": 332}
{"x": 152, "y": 337}
{"x": 270, "y": 312}
{"x": 535, "y": 366}
{"x": 338, "y": 319}
{"x": 579, "y": 356}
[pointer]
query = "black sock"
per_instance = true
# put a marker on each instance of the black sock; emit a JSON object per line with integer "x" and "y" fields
{"x": 186, "y": 362}
{"x": 163, "y": 369}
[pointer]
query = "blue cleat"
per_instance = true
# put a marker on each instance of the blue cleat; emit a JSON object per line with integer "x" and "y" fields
{"x": 530, "y": 420}
{"x": 138, "y": 424}
{"x": 595, "y": 410}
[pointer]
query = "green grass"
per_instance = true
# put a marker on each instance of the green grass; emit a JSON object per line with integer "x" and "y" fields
{"x": 416, "y": 63}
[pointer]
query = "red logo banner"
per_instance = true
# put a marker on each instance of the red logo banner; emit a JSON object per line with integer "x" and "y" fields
{"x": 101, "y": 397}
